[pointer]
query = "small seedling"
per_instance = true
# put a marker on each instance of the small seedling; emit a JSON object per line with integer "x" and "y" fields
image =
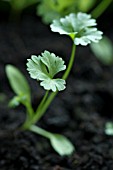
{"x": 109, "y": 128}
{"x": 44, "y": 68}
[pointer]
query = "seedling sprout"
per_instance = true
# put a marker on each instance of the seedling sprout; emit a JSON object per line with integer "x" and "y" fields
{"x": 81, "y": 28}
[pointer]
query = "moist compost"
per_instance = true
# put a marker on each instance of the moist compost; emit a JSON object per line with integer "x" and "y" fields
{"x": 80, "y": 112}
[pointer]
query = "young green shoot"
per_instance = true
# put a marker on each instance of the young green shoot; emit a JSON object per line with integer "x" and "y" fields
{"x": 44, "y": 69}
{"x": 109, "y": 128}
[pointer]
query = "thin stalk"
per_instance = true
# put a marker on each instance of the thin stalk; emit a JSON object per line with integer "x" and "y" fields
{"x": 42, "y": 103}
{"x": 44, "y": 108}
{"x": 66, "y": 74}
{"x": 101, "y": 8}
{"x": 30, "y": 114}
{"x": 30, "y": 110}
{"x": 53, "y": 94}
{"x": 40, "y": 131}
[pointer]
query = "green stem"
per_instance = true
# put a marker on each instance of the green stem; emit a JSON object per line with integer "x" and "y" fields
{"x": 30, "y": 114}
{"x": 42, "y": 104}
{"x": 100, "y": 8}
{"x": 44, "y": 108}
{"x": 30, "y": 111}
{"x": 53, "y": 94}
{"x": 66, "y": 74}
{"x": 40, "y": 131}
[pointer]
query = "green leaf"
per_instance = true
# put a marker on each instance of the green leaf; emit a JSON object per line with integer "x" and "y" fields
{"x": 17, "y": 81}
{"x": 44, "y": 68}
{"x": 103, "y": 50}
{"x": 53, "y": 84}
{"x": 61, "y": 144}
{"x": 72, "y": 23}
{"x": 80, "y": 27}
{"x": 87, "y": 36}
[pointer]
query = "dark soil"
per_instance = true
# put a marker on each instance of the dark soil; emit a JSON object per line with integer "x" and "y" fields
{"x": 80, "y": 112}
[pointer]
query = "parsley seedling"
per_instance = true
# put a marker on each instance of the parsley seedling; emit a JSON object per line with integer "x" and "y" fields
{"x": 44, "y": 68}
